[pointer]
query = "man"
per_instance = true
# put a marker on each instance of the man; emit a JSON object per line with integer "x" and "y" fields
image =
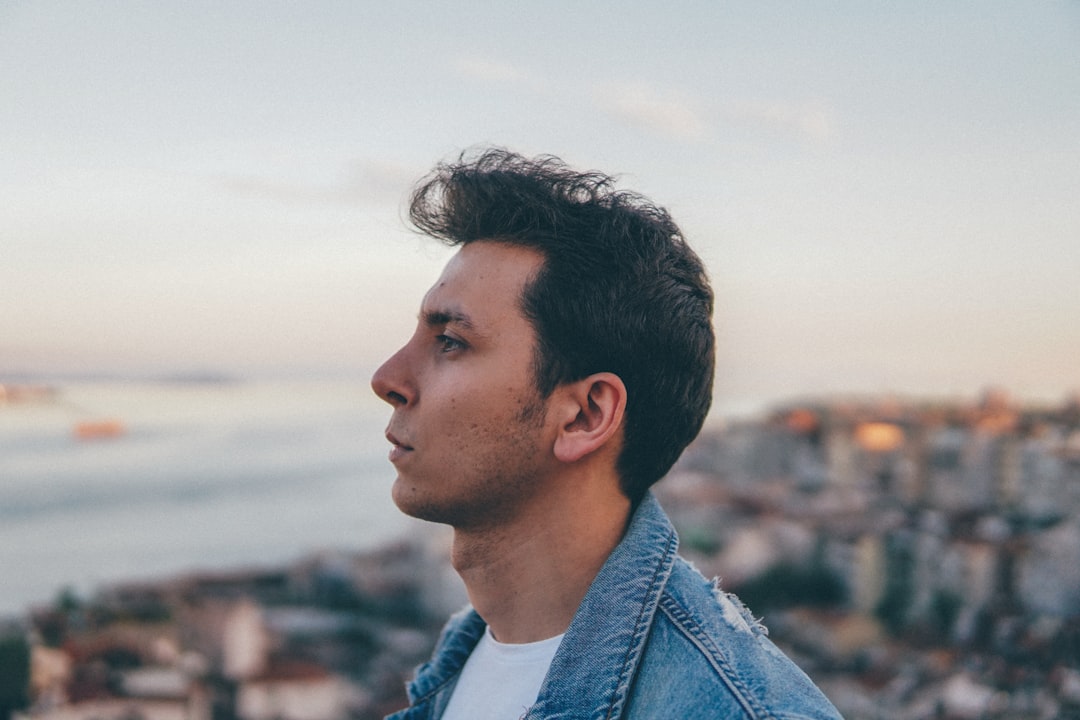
{"x": 561, "y": 363}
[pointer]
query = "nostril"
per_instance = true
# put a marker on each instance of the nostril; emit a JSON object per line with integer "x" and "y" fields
{"x": 396, "y": 398}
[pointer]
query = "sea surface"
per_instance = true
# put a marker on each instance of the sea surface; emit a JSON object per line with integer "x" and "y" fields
{"x": 203, "y": 476}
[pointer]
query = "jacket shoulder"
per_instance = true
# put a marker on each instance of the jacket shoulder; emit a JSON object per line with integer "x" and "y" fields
{"x": 707, "y": 657}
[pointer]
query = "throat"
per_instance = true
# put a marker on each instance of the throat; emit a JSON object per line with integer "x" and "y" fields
{"x": 526, "y": 589}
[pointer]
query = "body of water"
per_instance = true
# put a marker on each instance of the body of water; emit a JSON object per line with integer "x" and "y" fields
{"x": 202, "y": 476}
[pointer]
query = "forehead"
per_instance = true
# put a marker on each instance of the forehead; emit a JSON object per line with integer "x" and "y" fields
{"x": 484, "y": 277}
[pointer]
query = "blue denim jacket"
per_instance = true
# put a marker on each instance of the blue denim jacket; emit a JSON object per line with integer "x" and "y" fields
{"x": 652, "y": 639}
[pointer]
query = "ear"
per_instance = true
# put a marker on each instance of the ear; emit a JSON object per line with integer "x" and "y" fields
{"x": 591, "y": 415}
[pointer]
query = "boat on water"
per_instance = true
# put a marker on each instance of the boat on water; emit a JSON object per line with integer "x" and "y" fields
{"x": 99, "y": 429}
{"x": 20, "y": 393}
{"x": 86, "y": 429}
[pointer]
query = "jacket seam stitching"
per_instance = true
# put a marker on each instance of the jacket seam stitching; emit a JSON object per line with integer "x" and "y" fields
{"x": 431, "y": 694}
{"x": 683, "y": 621}
{"x": 638, "y": 624}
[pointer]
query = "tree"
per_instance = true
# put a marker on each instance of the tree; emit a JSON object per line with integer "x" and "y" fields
{"x": 14, "y": 675}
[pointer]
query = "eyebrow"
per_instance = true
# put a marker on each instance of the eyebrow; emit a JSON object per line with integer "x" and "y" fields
{"x": 434, "y": 318}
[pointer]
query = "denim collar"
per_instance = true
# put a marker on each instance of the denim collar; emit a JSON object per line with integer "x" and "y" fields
{"x": 596, "y": 661}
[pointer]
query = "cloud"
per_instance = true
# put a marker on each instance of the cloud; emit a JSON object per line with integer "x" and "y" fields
{"x": 810, "y": 122}
{"x": 646, "y": 107}
{"x": 362, "y": 182}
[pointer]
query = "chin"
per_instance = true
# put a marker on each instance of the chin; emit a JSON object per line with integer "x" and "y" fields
{"x": 420, "y": 505}
{"x": 413, "y": 502}
{"x": 401, "y": 497}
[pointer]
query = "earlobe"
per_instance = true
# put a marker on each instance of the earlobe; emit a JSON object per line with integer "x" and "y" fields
{"x": 594, "y": 413}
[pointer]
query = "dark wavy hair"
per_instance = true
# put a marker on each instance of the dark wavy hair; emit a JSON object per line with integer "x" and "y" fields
{"x": 620, "y": 290}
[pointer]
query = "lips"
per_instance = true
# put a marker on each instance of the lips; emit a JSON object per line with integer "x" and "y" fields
{"x": 399, "y": 449}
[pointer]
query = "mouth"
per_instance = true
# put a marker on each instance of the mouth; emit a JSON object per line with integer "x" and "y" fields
{"x": 399, "y": 449}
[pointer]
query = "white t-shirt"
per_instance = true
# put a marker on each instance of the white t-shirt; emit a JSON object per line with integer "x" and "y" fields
{"x": 500, "y": 681}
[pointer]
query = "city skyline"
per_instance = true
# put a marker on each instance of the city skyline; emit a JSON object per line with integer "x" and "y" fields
{"x": 885, "y": 196}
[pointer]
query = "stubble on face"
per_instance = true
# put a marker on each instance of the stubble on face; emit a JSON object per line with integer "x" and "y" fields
{"x": 477, "y": 417}
{"x": 494, "y": 484}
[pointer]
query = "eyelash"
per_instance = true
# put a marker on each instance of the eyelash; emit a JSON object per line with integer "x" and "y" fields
{"x": 449, "y": 344}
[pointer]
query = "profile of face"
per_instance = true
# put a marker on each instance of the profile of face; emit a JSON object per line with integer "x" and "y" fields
{"x": 471, "y": 441}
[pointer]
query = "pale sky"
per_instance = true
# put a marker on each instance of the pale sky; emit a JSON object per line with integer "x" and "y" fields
{"x": 887, "y": 194}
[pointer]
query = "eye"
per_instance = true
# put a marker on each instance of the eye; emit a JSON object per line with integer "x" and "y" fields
{"x": 448, "y": 344}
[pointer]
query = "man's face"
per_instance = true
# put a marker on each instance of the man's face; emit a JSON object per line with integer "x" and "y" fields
{"x": 470, "y": 441}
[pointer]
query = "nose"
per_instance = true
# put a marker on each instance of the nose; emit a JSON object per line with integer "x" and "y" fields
{"x": 391, "y": 381}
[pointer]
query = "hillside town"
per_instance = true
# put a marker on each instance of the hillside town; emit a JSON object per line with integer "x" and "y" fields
{"x": 918, "y": 559}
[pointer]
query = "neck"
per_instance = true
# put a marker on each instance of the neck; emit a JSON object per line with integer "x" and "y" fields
{"x": 526, "y": 577}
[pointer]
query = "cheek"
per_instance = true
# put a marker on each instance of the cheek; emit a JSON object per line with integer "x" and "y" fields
{"x": 457, "y": 417}
{"x": 476, "y": 408}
